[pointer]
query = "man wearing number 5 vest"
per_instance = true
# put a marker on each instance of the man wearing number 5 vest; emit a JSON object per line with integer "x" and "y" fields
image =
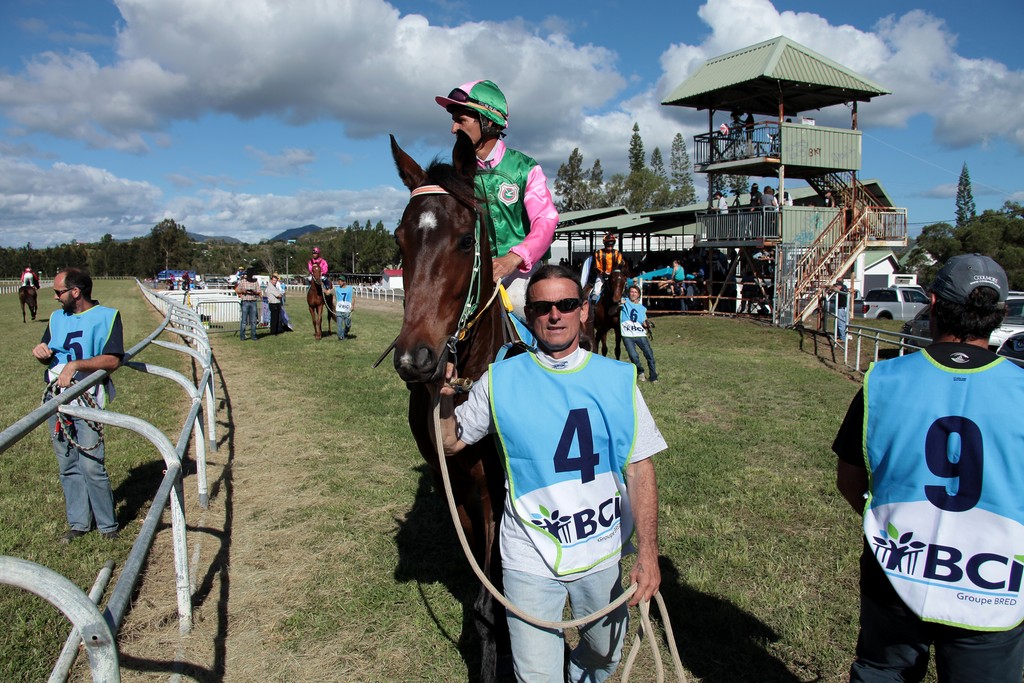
{"x": 81, "y": 338}
{"x": 932, "y": 453}
{"x": 577, "y": 440}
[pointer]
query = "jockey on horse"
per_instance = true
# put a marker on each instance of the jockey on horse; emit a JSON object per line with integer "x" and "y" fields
{"x": 603, "y": 263}
{"x": 317, "y": 259}
{"x": 518, "y": 210}
{"x": 29, "y": 278}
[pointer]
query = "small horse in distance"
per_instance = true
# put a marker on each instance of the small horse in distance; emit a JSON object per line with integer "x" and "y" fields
{"x": 27, "y": 297}
{"x": 317, "y": 299}
{"x": 440, "y": 242}
{"x": 604, "y": 315}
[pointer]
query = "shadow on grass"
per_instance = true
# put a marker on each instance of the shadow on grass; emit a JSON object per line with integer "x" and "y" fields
{"x": 219, "y": 567}
{"x": 717, "y": 641}
{"x": 430, "y": 552}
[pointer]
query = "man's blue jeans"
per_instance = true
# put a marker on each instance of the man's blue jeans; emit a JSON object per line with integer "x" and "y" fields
{"x": 842, "y": 322}
{"x": 84, "y": 478}
{"x": 538, "y": 654}
{"x": 645, "y": 345}
{"x": 344, "y": 321}
{"x": 248, "y": 318}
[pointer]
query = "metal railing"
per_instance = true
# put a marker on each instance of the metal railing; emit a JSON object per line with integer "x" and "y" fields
{"x": 757, "y": 141}
{"x": 739, "y": 224}
{"x": 865, "y": 345}
{"x": 91, "y": 626}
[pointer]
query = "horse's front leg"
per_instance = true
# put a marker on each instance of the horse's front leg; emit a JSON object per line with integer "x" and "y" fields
{"x": 316, "y": 323}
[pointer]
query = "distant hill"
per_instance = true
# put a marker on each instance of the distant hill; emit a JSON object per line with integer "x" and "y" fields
{"x": 196, "y": 237}
{"x": 295, "y": 233}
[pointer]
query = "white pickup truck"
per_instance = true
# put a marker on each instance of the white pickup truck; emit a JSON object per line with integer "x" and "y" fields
{"x": 895, "y": 303}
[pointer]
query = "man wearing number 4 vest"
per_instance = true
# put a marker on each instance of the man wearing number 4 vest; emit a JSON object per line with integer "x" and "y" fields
{"x": 577, "y": 440}
{"x": 932, "y": 453}
{"x": 81, "y": 338}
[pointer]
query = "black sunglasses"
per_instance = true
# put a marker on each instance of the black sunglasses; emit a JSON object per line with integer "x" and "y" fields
{"x": 563, "y": 306}
{"x": 61, "y": 292}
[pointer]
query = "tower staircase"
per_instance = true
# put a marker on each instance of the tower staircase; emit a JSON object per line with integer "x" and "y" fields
{"x": 835, "y": 250}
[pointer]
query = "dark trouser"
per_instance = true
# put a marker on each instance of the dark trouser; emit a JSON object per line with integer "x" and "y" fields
{"x": 645, "y": 346}
{"x": 275, "y": 318}
{"x": 893, "y": 647}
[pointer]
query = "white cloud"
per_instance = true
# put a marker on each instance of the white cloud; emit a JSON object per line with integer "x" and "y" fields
{"x": 290, "y": 161}
{"x": 362, "y": 64}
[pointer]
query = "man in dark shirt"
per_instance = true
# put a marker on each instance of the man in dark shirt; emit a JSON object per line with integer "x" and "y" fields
{"x": 929, "y": 453}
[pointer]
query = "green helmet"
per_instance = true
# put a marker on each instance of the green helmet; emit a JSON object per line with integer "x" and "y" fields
{"x": 483, "y": 96}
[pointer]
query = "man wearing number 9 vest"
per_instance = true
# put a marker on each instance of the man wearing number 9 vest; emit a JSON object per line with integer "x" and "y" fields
{"x": 932, "y": 453}
{"x": 577, "y": 440}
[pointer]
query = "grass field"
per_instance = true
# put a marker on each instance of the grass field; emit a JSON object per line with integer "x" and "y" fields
{"x": 759, "y": 553}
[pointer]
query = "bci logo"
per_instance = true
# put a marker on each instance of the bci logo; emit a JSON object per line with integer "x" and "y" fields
{"x": 579, "y": 526}
{"x": 902, "y": 554}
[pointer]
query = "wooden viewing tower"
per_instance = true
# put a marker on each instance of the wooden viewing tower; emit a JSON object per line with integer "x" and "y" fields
{"x": 814, "y": 245}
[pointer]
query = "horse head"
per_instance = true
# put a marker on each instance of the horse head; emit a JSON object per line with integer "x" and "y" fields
{"x": 440, "y": 249}
{"x": 614, "y": 290}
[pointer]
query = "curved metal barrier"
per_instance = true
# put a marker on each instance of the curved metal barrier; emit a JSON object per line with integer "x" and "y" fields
{"x": 95, "y": 628}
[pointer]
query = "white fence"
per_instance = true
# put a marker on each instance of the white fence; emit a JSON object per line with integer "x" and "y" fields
{"x": 12, "y": 286}
{"x": 219, "y": 309}
{"x": 92, "y": 628}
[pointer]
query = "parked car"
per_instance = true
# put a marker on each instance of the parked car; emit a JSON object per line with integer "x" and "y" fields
{"x": 894, "y": 303}
{"x": 1013, "y": 347}
{"x": 1012, "y": 323}
{"x": 919, "y": 326}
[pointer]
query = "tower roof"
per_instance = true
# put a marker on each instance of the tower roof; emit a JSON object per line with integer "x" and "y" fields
{"x": 755, "y": 78}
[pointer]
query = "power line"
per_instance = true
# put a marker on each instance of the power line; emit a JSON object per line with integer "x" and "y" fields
{"x": 932, "y": 164}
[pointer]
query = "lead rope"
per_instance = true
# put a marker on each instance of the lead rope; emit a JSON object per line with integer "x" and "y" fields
{"x": 645, "y": 621}
{"x": 65, "y": 424}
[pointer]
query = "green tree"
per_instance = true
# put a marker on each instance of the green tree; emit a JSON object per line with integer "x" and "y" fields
{"x": 170, "y": 247}
{"x": 681, "y": 181}
{"x": 637, "y": 158}
{"x": 595, "y": 183}
{"x": 996, "y": 233}
{"x": 571, "y": 185}
{"x": 737, "y": 184}
{"x": 965, "y": 209}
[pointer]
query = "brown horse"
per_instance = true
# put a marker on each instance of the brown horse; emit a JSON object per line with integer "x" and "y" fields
{"x": 605, "y": 314}
{"x": 27, "y": 297}
{"x": 440, "y": 245}
{"x": 317, "y": 299}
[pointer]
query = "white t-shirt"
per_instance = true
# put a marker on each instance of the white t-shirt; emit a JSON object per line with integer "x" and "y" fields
{"x": 475, "y": 421}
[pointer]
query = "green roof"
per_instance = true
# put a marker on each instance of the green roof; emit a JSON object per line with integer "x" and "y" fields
{"x": 755, "y": 78}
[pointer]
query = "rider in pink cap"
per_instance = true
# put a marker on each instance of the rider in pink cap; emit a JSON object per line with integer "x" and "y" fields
{"x": 317, "y": 260}
{"x": 518, "y": 200}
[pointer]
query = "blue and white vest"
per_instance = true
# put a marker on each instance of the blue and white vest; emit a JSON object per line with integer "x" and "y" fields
{"x": 944, "y": 448}
{"x": 567, "y": 437}
{"x": 631, "y": 319}
{"x": 342, "y": 299}
{"x": 83, "y": 335}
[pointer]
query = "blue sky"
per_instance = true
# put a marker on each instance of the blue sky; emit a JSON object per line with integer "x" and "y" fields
{"x": 248, "y": 117}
